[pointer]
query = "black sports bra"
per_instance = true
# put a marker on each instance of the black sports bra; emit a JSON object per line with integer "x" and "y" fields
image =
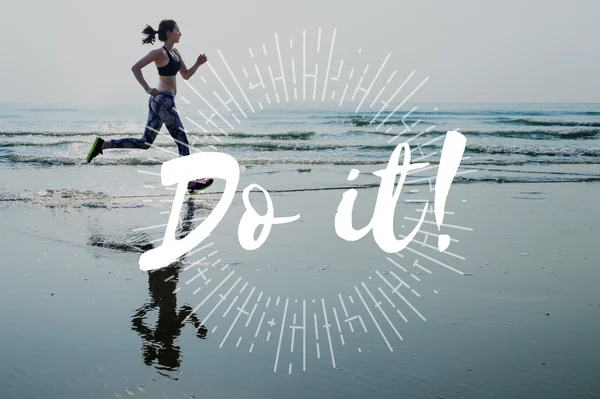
{"x": 171, "y": 68}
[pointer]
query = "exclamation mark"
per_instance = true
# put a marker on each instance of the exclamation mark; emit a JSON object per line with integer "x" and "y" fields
{"x": 452, "y": 152}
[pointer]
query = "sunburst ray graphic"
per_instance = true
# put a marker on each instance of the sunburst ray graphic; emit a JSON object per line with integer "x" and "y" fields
{"x": 309, "y": 331}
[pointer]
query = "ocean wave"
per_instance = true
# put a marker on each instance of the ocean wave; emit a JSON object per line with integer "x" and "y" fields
{"x": 291, "y": 135}
{"x": 141, "y": 161}
{"x": 534, "y": 122}
{"x": 535, "y": 151}
{"x": 367, "y": 122}
{"x": 531, "y": 134}
{"x": 540, "y": 179}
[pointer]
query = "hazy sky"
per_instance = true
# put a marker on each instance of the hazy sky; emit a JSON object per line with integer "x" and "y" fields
{"x": 81, "y": 52}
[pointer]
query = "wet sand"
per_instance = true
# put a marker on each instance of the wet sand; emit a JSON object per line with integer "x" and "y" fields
{"x": 81, "y": 320}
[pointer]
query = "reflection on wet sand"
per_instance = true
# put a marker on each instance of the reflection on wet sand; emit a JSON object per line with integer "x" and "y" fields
{"x": 158, "y": 342}
{"x": 159, "y": 347}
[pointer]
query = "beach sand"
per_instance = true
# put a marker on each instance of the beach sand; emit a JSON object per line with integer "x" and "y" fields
{"x": 79, "y": 318}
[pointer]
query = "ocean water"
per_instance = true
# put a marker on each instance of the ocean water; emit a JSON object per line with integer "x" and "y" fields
{"x": 80, "y": 320}
{"x": 505, "y": 142}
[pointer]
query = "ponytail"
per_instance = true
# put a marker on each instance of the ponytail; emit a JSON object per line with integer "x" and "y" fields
{"x": 164, "y": 26}
{"x": 150, "y": 35}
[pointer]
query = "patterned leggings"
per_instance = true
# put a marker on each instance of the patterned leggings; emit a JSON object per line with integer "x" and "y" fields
{"x": 161, "y": 110}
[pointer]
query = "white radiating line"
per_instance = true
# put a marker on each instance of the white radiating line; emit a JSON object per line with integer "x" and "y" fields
{"x": 251, "y": 347}
{"x": 281, "y": 334}
{"x": 209, "y": 295}
{"x": 391, "y": 77}
{"x": 346, "y": 312}
{"x": 401, "y": 296}
{"x": 421, "y": 267}
{"x": 377, "y": 97}
{"x": 430, "y": 128}
{"x": 372, "y": 82}
{"x": 303, "y": 335}
{"x": 240, "y": 311}
{"x": 378, "y": 305}
{"x": 147, "y": 172}
{"x": 402, "y": 103}
{"x": 202, "y": 248}
{"x": 194, "y": 264}
{"x": 230, "y": 305}
{"x": 432, "y": 247}
{"x": 337, "y": 320}
{"x": 397, "y": 264}
{"x": 304, "y": 64}
{"x": 399, "y": 279}
{"x": 209, "y": 104}
{"x": 199, "y": 126}
{"x": 281, "y": 66}
{"x": 327, "y": 326}
{"x": 272, "y": 79}
{"x": 200, "y": 273}
{"x": 337, "y": 78}
{"x": 174, "y": 139}
{"x": 319, "y": 41}
{"x": 164, "y": 224}
{"x": 259, "y": 325}
{"x": 251, "y": 314}
{"x": 432, "y": 211}
{"x": 221, "y": 100}
{"x": 223, "y": 298}
{"x": 316, "y": 327}
{"x": 328, "y": 65}
{"x": 236, "y": 81}
{"x": 293, "y": 333}
{"x": 435, "y": 177}
{"x": 374, "y": 320}
{"x": 343, "y": 95}
{"x": 436, "y": 261}
{"x": 386, "y": 103}
{"x": 262, "y": 82}
{"x": 402, "y": 315}
{"x": 386, "y": 297}
{"x": 443, "y": 225}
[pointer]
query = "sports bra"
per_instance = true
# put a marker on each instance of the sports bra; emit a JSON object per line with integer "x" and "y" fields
{"x": 171, "y": 68}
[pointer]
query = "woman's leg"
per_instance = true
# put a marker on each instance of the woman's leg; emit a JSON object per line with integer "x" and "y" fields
{"x": 153, "y": 126}
{"x": 165, "y": 108}
{"x": 169, "y": 115}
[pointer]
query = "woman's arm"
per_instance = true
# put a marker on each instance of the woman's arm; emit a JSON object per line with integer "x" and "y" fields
{"x": 137, "y": 68}
{"x": 188, "y": 73}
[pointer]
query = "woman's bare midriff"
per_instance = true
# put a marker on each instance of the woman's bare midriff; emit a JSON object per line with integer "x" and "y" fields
{"x": 167, "y": 83}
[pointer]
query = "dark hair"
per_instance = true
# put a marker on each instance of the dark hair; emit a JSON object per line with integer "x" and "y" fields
{"x": 164, "y": 26}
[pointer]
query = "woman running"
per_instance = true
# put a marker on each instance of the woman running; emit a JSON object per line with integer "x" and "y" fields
{"x": 161, "y": 105}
